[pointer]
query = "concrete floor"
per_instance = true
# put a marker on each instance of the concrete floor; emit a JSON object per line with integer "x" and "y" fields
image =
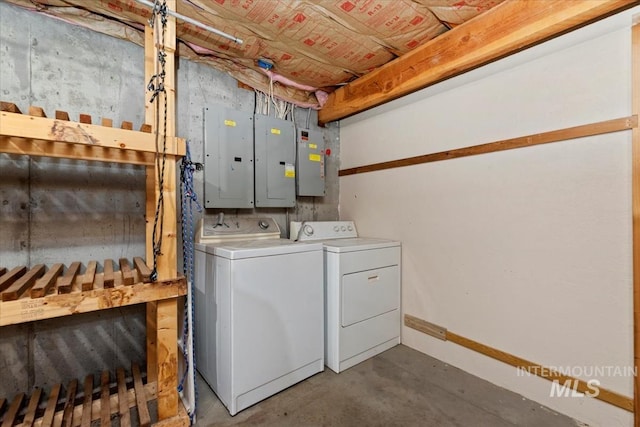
{"x": 400, "y": 387}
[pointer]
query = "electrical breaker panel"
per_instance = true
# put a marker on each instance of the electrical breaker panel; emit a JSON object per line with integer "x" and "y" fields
{"x": 275, "y": 156}
{"x": 228, "y": 160}
{"x": 310, "y": 163}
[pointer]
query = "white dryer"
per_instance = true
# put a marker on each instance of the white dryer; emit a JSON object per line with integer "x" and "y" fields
{"x": 362, "y": 291}
{"x": 259, "y": 309}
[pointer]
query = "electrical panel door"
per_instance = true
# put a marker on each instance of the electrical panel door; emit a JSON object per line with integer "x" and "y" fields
{"x": 310, "y": 163}
{"x": 275, "y": 154}
{"x": 228, "y": 160}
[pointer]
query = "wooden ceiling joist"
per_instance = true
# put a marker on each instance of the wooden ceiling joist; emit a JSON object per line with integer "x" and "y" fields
{"x": 501, "y": 31}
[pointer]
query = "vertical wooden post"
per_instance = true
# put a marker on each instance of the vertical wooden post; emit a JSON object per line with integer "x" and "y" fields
{"x": 162, "y": 316}
{"x": 635, "y": 109}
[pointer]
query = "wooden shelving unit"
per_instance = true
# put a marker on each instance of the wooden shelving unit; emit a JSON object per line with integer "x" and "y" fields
{"x": 41, "y": 292}
{"x": 37, "y": 135}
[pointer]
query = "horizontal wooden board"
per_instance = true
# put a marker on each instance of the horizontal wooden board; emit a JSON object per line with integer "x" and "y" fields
{"x": 56, "y": 305}
{"x": 64, "y": 150}
{"x": 609, "y": 126}
{"x": 44, "y": 129}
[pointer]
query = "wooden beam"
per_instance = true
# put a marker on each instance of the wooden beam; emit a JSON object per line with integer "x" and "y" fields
{"x": 162, "y": 316}
{"x": 527, "y": 366}
{"x": 615, "y": 125}
{"x": 635, "y": 185}
{"x": 503, "y": 30}
{"x": 167, "y": 356}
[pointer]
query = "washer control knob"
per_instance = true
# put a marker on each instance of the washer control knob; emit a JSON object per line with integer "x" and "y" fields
{"x": 308, "y": 230}
{"x": 263, "y": 224}
{"x": 350, "y": 228}
{"x": 336, "y": 228}
{"x": 343, "y": 228}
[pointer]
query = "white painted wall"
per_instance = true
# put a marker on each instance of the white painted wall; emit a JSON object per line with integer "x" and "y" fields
{"x": 529, "y": 250}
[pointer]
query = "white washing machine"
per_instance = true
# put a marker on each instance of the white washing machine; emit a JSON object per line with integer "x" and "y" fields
{"x": 362, "y": 291}
{"x": 259, "y": 303}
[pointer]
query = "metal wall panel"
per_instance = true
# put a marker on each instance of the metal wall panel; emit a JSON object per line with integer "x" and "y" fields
{"x": 228, "y": 161}
{"x": 274, "y": 162}
{"x": 310, "y": 163}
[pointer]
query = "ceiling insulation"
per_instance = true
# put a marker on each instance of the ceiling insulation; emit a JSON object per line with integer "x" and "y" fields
{"x": 317, "y": 43}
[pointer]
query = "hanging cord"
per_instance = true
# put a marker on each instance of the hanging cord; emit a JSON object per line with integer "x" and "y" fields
{"x": 188, "y": 198}
{"x": 156, "y": 86}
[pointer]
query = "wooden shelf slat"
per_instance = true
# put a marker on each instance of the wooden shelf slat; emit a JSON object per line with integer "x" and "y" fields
{"x": 141, "y": 398}
{"x": 123, "y": 407}
{"x": 143, "y": 270}
{"x": 105, "y": 406}
{"x": 62, "y": 115}
{"x": 65, "y": 285}
{"x": 30, "y": 416}
{"x": 42, "y": 286}
{"x": 127, "y": 273}
{"x": 3, "y": 270}
{"x": 47, "y": 420}
{"x": 10, "y": 277}
{"x": 89, "y": 276}
{"x": 9, "y": 107}
{"x": 86, "y": 402}
{"x": 12, "y": 413}
{"x": 109, "y": 280}
{"x": 36, "y": 111}
{"x": 21, "y": 285}
{"x": 69, "y": 404}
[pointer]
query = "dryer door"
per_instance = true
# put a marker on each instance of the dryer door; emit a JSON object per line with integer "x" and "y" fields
{"x": 369, "y": 293}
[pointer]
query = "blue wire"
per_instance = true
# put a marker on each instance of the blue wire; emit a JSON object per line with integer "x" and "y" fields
{"x": 188, "y": 198}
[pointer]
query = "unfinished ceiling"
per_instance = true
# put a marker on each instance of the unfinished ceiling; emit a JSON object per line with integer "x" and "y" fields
{"x": 313, "y": 44}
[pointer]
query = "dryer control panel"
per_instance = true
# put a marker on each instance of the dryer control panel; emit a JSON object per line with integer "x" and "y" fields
{"x": 322, "y": 230}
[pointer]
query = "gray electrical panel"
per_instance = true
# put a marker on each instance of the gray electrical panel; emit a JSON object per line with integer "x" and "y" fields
{"x": 228, "y": 160}
{"x": 310, "y": 163}
{"x": 275, "y": 155}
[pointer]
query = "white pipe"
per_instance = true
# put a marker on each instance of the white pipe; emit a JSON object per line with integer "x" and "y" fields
{"x": 194, "y": 22}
